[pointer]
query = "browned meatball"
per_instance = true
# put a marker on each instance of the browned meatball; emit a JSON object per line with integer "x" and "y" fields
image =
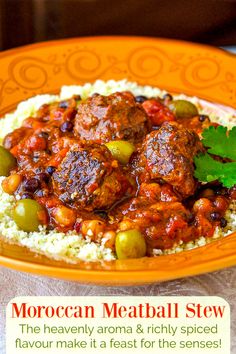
{"x": 167, "y": 154}
{"x": 89, "y": 178}
{"x": 117, "y": 116}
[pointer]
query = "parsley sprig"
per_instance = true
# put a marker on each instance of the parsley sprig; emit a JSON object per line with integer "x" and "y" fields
{"x": 220, "y": 142}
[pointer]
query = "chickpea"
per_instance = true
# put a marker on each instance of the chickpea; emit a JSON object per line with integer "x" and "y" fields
{"x": 11, "y": 183}
{"x": 206, "y": 193}
{"x": 150, "y": 190}
{"x": 65, "y": 216}
{"x": 125, "y": 225}
{"x": 202, "y": 205}
{"x": 233, "y": 193}
{"x": 221, "y": 203}
{"x": 110, "y": 239}
{"x": 93, "y": 229}
{"x": 36, "y": 143}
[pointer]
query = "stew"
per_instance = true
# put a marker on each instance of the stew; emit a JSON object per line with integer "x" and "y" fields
{"x": 118, "y": 169}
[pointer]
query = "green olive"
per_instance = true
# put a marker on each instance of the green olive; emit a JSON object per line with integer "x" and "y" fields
{"x": 26, "y": 214}
{"x": 7, "y": 162}
{"x": 130, "y": 244}
{"x": 183, "y": 109}
{"x": 121, "y": 150}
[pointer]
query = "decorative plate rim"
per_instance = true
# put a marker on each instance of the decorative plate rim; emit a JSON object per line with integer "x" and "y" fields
{"x": 132, "y": 271}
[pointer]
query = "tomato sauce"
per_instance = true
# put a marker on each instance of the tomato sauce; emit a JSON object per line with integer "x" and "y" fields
{"x": 64, "y": 164}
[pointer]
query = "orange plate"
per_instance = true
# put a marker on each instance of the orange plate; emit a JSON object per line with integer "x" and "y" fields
{"x": 176, "y": 66}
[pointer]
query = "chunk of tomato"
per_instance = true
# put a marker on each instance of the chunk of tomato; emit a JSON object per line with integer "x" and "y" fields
{"x": 157, "y": 112}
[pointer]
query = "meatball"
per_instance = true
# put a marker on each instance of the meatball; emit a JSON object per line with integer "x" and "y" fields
{"x": 89, "y": 178}
{"x": 117, "y": 116}
{"x": 167, "y": 154}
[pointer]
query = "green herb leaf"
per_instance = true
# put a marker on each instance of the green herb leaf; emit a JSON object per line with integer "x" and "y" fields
{"x": 208, "y": 170}
{"x": 220, "y": 141}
